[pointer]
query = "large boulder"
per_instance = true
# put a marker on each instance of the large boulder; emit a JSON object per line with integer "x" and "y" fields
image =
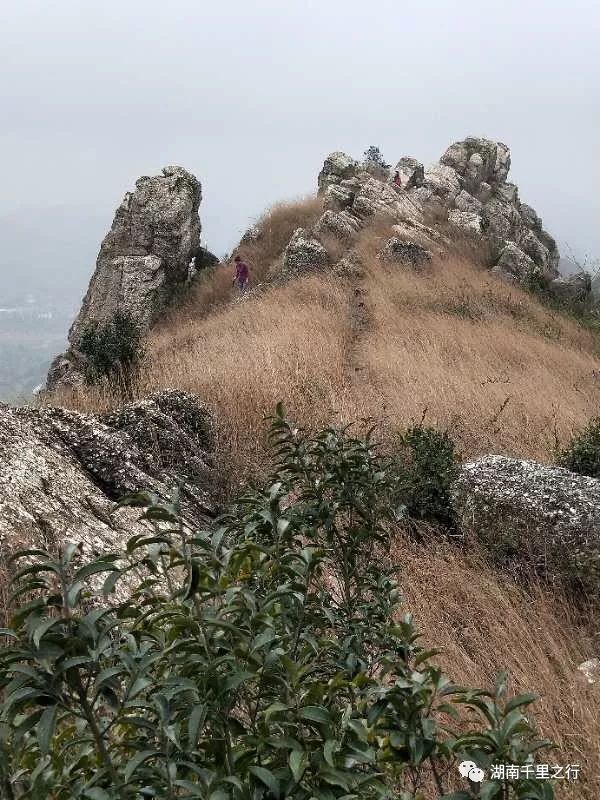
{"x": 143, "y": 263}
{"x": 304, "y": 253}
{"x": 61, "y": 471}
{"x": 399, "y": 251}
{"x": 410, "y": 171}
{"x": 337, "y": 167}
{"x": 572, "y": 290}
{"x": 514, "y": 264}
{"x": 546, "y": 517}
{"x": 341, "y": 225}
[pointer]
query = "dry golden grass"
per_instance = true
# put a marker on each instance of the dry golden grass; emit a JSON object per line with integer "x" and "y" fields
{"x": 483, "y": 357}
{"x": 483, "y": 624}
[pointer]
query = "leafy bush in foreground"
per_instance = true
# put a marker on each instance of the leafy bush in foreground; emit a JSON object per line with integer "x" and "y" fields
{"x": 262, "y": 659}
{"x": 582, "y": 454}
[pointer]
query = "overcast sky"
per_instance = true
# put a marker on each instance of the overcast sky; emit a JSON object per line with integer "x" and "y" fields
{"x": 251, "y": 95}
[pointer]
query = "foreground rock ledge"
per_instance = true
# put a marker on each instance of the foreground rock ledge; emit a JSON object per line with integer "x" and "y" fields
{"x": 61, "y": 471}
{"x": 548, "y": 516}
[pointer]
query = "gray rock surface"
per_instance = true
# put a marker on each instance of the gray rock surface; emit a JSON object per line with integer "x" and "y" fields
{"x": 143, "y": 261}
{"x": 304, "y": 253}
{"x": 61, "y": 471}
{"x": 339, "y": 224}
{"x": 572, "y": 289}
{"x": 398, "y": 251}
{"x": 337, "y": 167}
{"x": 411, "y": 172}
{"x": 525, "y": 511}
{"x": 469, "y": 183}
{"x": 514, "y": 264}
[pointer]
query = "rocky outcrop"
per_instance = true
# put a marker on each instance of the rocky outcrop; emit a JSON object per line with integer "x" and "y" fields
{"x": 143, "y": 261}
{"x": 524, "y": 511}
{"x": 61, "y": 471}
{"x": 469, "y": 183}
{"x": 336, "y": 168}
{"x": 572, "y": 290}
{"x": 304, "y": 253}
{"x": 397, "y": 251}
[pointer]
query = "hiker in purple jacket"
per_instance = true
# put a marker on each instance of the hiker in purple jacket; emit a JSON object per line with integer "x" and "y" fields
{"x": 242, "y": 274}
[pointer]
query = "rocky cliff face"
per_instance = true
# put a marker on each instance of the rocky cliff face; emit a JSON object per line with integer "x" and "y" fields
{"x": 469, "y": 183}
{"x": 61, "y": 472}
{"x": 143, "y": 261}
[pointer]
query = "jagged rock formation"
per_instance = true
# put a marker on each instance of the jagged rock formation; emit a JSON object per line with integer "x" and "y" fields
{"x": 143, "y": 261}
{"x": 303, "y": 253}
{"x": 524, "y": 509}
{"x": 469, "y": 183}
{"x": 61, "y": 471}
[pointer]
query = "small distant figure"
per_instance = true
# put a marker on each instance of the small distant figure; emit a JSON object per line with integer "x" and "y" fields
{"x": 242, "y": 275}
{"x": 397, "y": 180}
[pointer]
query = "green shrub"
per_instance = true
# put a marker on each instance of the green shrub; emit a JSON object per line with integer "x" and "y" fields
{"x": 264, "y": 658}
{"x": 582, "y": 454}
{"x": 373, "y": 156}
{"x": 428, "y": 465}
{"x": 113, "y": 347}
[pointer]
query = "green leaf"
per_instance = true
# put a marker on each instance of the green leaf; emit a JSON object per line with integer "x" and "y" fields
{"x": 298, "y": 762}
{"x": 266, "y": 777}
{"x": 43, "y": 627}
{"x": 137, "y": 760}
{"x": 331, "y": 745}
{"x": 195, "y": 722}
{"x": 317, "y": 714}
{"x": 520, "y": 700}
{"x": 45, "y": 729}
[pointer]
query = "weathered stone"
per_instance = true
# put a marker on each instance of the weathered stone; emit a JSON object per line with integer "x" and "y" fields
{"x": 466, "y": 202}
{"x": 443, "y": 181}
{"x": 468, "y": 220}
{"x": 144, "y": 260}
{"x": 304, "y": 253}
{"x": 590, "y": 670}
{"x": 338, "y": 197}
{"x": 574, "y": 289}
{"x": 399, "y": 251}
{"x": 340, "y": 224}
{"x": 411, "y": 172}
{"x": 524, "y": 510}
{"x": 61, "y": 471}
{"x": 337, "y": 167}
{"x": 514, "y": 263}
{"x": 530, "y": 217}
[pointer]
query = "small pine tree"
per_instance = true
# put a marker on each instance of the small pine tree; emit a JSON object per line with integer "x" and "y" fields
{"x": 373, "y": 156}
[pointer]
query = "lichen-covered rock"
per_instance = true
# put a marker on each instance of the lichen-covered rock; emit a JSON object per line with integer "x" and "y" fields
{"x": 304, "y": 253}
{"x": 341, "y": 225}
{"x": 546, "y": 516}
{"x": 337, "y": 167}
{"x": 467, "y": 220}
{"x": 143, "y": 261}
{"x": 338, "y": 197}
{"x": 514, "y": 264}
{"x": 411, "y": 172}
{"x": 398, "y": 251}
{"x": 61, "y": 471}
{"x": 573, "y": 289}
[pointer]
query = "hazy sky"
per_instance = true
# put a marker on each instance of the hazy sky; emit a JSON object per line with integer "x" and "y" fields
{"x": 251, "y": 96}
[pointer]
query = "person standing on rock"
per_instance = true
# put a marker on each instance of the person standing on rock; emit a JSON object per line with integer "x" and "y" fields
{"x": 242, "y": 274}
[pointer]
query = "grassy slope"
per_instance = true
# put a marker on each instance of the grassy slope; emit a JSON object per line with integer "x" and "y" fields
{"x": 471, "y": 352}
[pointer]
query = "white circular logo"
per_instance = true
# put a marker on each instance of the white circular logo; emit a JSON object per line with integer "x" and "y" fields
{"x": 470, "y": 770}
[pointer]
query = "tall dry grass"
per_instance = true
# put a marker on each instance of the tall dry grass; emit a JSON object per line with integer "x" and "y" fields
{"x": 483, "y": 624}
